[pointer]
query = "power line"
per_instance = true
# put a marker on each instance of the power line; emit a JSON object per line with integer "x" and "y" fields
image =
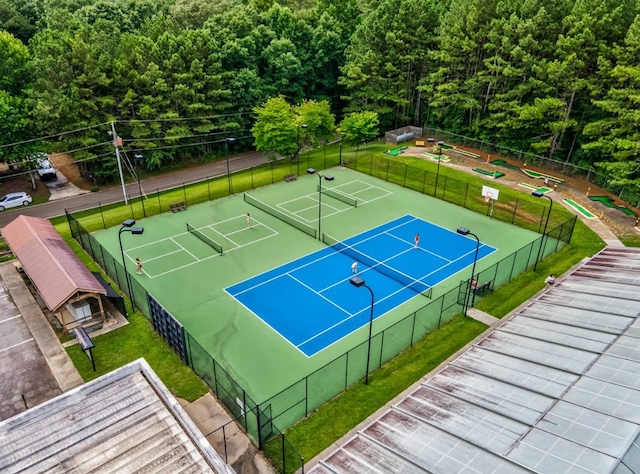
{"x": 56, "y": 135}
{"x": 180, "y": 119}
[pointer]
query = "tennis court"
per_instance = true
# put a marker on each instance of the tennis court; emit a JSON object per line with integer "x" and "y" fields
{"x": 323, "y": 307}
{"x": 263, "y": 346}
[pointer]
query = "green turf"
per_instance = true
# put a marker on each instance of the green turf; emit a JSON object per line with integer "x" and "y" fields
{"x": 607, "y": 201}
{"x": 505, "y": 164}
{"x": 537, "y": 175}
{"x": 493, "y": 174}
{"x": 250, "y": 350}
{"x": 396, "y": 151}
{"x": 581, "y": 209}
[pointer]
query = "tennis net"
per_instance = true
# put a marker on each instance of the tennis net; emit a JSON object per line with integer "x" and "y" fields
{"x": 207, "y": 240}
{"x": 380, "y": 267}
{"x": 307, "y": 229}
{"x": 345, "y": 198}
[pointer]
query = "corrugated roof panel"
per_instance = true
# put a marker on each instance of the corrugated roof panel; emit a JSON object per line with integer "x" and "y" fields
{"x": 601, "y": 287}
{"x": 626, "y": 348}
{"x": 470, "y": 422}
{"x": 522, "y": 373}
{"x": 547, "y": 453}
{"x": 616, "y": 370}
{"x": 54, "y": 269}
{"x": 615, "y": 400}
{"x": 579, "y": 338}
{"x": 589, "y": 428}
{"x": 595, "y": 303}
{"x": 503, "y": 398}
{"x": 577, "y": 317}
{"x": 432, "y": 449}
{"x": 541, "y": 352}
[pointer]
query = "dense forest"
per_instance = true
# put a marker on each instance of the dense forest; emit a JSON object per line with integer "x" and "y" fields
{"x": 560, "y": 78}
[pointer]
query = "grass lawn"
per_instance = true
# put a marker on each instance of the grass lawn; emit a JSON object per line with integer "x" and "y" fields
{"x": 330, "y": 422}
{"x": 336, "y": 418}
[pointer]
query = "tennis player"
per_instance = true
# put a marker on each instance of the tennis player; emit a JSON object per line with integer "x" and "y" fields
{"x": 354, "y": 267}
{"x": 416, "y": 241}
{"x": 248, "y": 220}
{"x": 138, "y": 266}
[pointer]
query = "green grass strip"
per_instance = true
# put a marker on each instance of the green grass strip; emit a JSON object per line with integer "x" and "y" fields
{"x": 505, "y": 164}
{"x": 582, "y": 210}
{"x": 493, "y": 174}
{"x": 537, "y": 175}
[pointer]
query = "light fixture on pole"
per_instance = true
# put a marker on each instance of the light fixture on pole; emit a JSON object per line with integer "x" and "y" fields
{"x": 435, "y": 189}
{"x": 546, "y": 222}
{"x": 320, "y": 176}
{"x": 465, "y": 231}
{"x": 127, "y": 226}
{"x": 227, "y": 142}
{"x": 299, "y": 147}
{"x": 358, "y": 282}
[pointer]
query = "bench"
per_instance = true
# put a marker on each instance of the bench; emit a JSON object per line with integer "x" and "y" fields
{"x": 177, "y": 207}
{"x": 484, "y": 288}
{"x": 290, "y": 177}
{"x": 420, "y": 143}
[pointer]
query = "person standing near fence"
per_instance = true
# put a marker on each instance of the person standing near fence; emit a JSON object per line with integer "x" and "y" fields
{"x": 139, "y": 267}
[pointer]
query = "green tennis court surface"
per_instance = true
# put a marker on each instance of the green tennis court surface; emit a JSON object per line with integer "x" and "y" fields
{"x": 188, "y": 277}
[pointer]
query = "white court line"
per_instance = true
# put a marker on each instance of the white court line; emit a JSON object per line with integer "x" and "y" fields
{"x": 314, "y": 291}
{"x": 215, "y": 255}
{"x": 419, "y": 248}
{"x": 353, "y": 315}
{"x": 197, "y": 260}
{"x": 328, "y": 255}
{"x": 9, "y": 319}
{"x": 16, "y": 345}
{"x": 172, "y": 239}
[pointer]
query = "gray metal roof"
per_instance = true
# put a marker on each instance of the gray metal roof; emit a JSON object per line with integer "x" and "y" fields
{"x": 123, "y": 422}
{"x": 555, "y": 388}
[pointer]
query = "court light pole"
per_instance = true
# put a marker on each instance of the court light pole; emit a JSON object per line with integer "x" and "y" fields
{"x": 358, "y": 282}
{"x": 227, "y": 142}
{"x": 127, "y": 226}
{"x": 546, "y": 223}
{"x": 435, "y": 189}
{"x": 304, "y": 125}
{"x": 465, "y": 231}
{"x": 320, "y": 176}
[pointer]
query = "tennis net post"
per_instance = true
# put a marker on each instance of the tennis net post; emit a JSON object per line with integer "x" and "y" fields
{"x": 206, "y": 239}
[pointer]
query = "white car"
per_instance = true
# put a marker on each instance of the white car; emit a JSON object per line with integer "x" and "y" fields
{"x": 14, "y": 200}
{"x": 46, "y": 171}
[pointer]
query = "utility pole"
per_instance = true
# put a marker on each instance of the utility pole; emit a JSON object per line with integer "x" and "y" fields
{"x": 115, "y": 145}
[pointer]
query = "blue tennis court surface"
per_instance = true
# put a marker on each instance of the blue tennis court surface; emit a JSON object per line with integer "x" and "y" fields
{"x": 311, "y": 303}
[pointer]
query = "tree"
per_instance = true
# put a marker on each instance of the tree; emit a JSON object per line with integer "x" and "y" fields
{"x": 616, "y": 136}
{"x": 359, "y": 127}
{"x": 387, "y": 59}
{"x": 275, "y": 131}
{"x": 281, "y": 129}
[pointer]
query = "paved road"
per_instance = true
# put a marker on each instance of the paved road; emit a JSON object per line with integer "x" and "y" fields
{"x": 114, "y": 194}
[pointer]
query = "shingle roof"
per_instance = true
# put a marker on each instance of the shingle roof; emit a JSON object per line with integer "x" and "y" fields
{"x": 51, "y": 265}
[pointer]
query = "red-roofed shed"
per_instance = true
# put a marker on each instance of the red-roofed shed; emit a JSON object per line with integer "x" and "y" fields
{"x": 57, "y": 273}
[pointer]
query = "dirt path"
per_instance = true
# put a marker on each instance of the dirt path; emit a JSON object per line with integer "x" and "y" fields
{"x": 577, "y": 190}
